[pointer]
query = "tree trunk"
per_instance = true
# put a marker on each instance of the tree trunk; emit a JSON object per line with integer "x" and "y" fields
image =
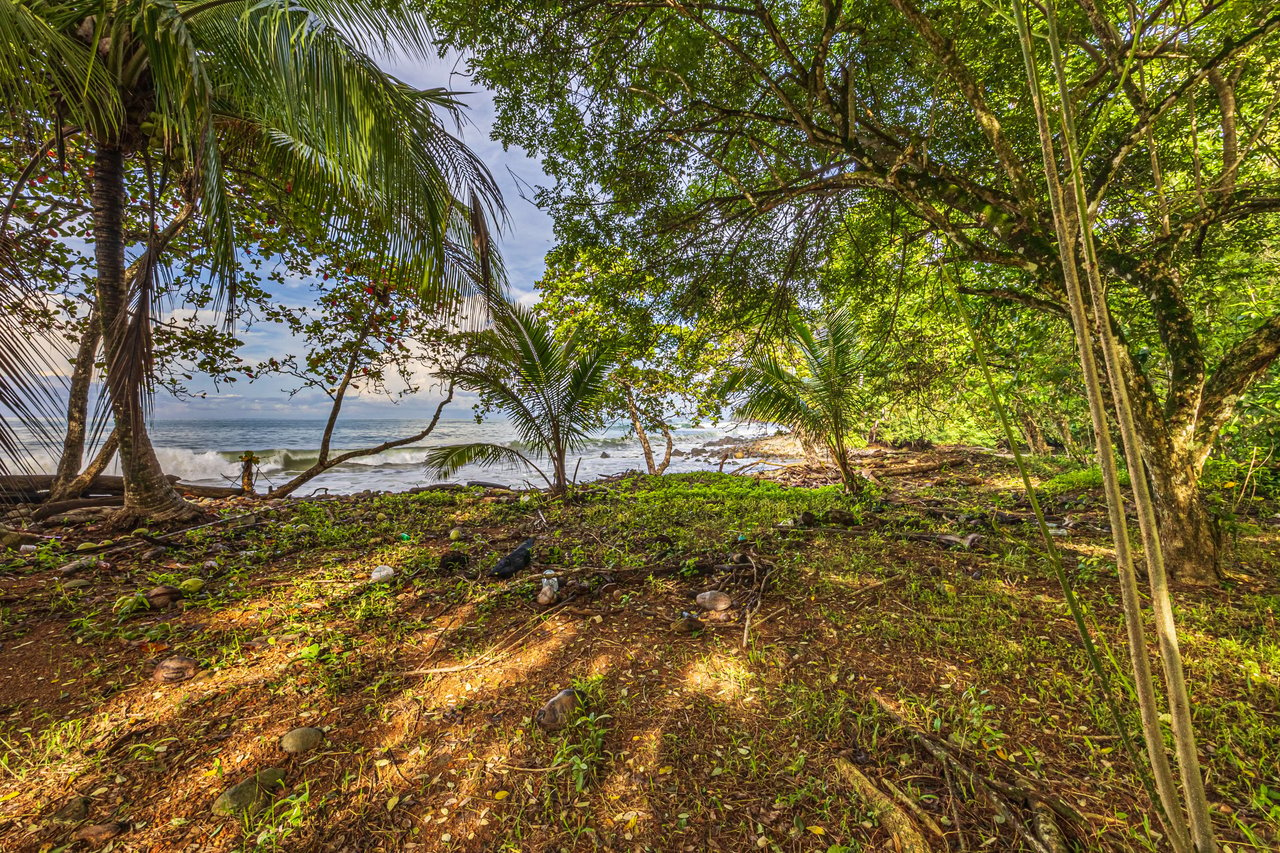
{"x": 1188, "y": 535}
{"x": 666, "y": 456}
{"x": 1034, "y": 436}
{"x": 148, "y": 494}
{"x": 77, "y": 411}
{"x": 77, "y": 485}
{"x": 634, "y": 411}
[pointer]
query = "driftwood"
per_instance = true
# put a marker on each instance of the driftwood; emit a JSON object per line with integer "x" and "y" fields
{"x": 485, "y": 484}
{"x": 49, "y": 510}
{"x": 32, "y": 485}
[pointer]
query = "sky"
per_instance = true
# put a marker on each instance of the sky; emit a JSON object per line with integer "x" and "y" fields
{"x": 523, "y": 243}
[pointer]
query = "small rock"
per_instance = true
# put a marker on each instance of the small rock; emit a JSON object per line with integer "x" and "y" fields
{"x": 686, "y": 624}
{"x": 175, "y": 668}
{"x": 382, "y": 573}
{"x": 714, "y": 599}
{"x": 558, "y": 710}
{"x": 605, "y": 456}
{"x": 250, "y": 796}
{"x": 77, "y": 583}
{"x": 191, "y": 586}
{"x": 548, "y": 595}
{"x": 27, "y": 549}
{"x": 454, "y": 561}
{"x": 209, "y": 565}
{"x": 164, "y": 597}
{"x": 99, "y": 833}
{"x": 302, "y": 739}
{"x": 73, "y": 810}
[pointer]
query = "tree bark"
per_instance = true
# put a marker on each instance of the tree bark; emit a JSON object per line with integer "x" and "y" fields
{"x": 650, "y": 465}
{"x": 1188, "y": 535}
{"x": 666, "y": 455}
{"x": 77, "y": 411}
{"x": 148, "y": 493}
{"x": 61, "y": 491}
{"x": 1034, "y": 436}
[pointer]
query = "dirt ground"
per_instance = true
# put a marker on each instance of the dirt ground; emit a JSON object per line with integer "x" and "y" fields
{"x": 866, "y": 632}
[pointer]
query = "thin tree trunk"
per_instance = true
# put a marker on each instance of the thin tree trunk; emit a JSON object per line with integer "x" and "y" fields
{"x": 148, "y": 494}
{"x": 634, "y": 411}
{"x": 1068, "y": 439}
{"x": 84, "y": 479}
{"x": 1184, "y": 739}
{"x": 1174, "y": 818}
{"x": 77, "y": 411}
{"x": 666, "y": 456}
{"x": 321, "y": 467}
{"x": 1033, "y": 434}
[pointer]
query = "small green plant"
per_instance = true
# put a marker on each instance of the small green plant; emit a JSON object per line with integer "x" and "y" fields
{"x": 269, "y": 828}
{"x": 1074, "y": 481}
{"x": 580, "y": 754}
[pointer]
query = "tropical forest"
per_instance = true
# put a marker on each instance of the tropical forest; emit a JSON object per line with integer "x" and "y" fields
{"x": 640, "y": 425}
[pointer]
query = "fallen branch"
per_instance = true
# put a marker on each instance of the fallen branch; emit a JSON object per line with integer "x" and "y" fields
{"x": 906, "y": 836}
{"x": 1043, "y": 836}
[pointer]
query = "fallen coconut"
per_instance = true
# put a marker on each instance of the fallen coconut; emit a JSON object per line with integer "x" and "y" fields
{"x": 163, "y": 597}
{"x": 73, "y": 810}
{"x": 99, "y": 833}
{"x": 174, "y": 669}
{"x": 714, "y": 599}
{"x": 559, "y": 710}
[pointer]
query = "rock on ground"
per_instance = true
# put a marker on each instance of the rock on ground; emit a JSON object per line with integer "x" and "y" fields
{"x": 250, "y": 796}
{"x": 302, "y": 739}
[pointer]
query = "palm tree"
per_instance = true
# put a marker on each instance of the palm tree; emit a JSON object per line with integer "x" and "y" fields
{"x": 823, "y": 396}
{"x": 550, "y": 390}
{"x": 284, "y": 89}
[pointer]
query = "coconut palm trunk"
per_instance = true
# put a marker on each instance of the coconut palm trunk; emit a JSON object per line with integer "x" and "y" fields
{"x": 147, "y": 492}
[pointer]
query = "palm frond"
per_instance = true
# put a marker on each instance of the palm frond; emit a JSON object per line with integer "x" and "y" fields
{"x": 46, "y": 70}
{"x": 446, "y": 461}
{"x": 820, "y": 398}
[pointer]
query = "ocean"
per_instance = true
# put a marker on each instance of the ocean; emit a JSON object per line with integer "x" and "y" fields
{"x": 207, "y": 452}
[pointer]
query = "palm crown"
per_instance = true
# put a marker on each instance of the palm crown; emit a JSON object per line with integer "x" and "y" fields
{"x": 286, "y": 90}
{"x": 822, "y": 397}
{"x": 549, "y": 390}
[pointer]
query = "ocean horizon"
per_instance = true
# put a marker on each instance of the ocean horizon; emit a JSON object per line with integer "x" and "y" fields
{"x": 207, "y": 451}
